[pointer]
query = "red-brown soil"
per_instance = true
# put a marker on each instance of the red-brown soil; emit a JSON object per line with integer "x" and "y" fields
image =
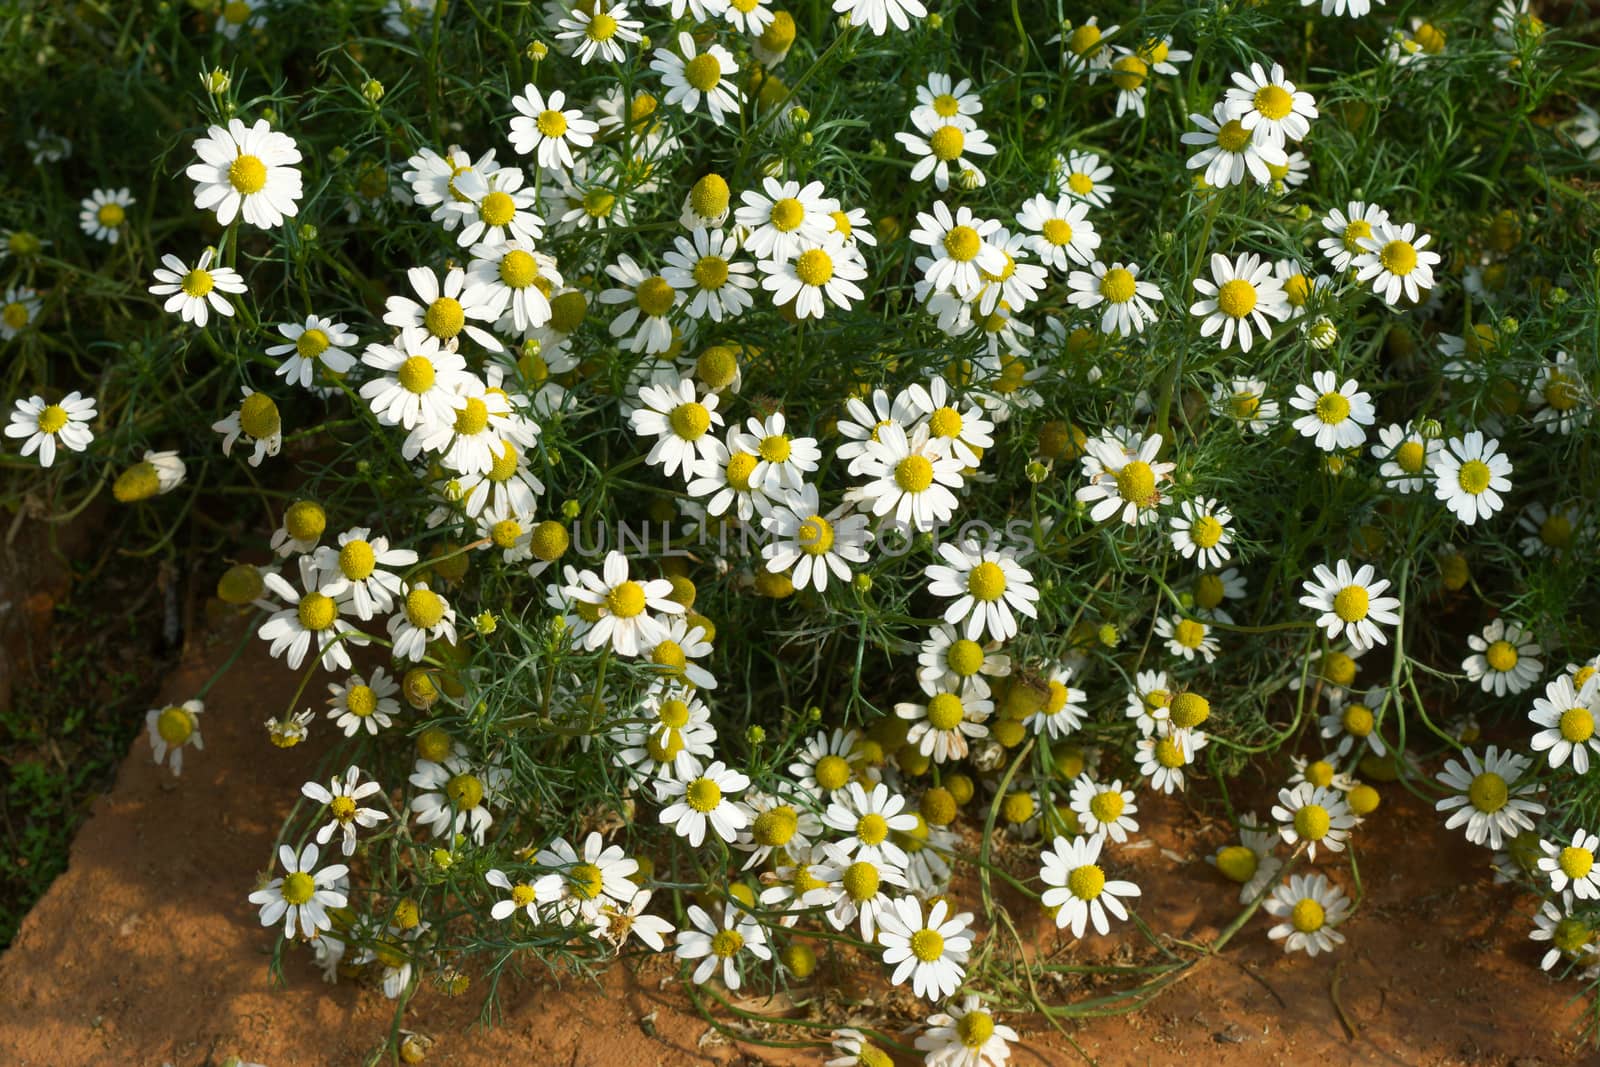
{"x": 146, "y": 951}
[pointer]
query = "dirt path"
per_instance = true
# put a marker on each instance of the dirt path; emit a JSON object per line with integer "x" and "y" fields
{"x": 146, "y": 950}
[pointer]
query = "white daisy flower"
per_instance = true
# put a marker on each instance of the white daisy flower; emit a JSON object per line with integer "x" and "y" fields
{"x": 1124, "y": 478}
{"x": 310, "y": 621}
{"x": 651, "y": 298}
{"x": 1268, "y": 104}
{"x": 18, "y": 310}
{"x": 257, "y": 420}
{"x": 1565, "y": 400}
{"x": 867, "y": 819}
{"x": 1469, "y": 474}
{"x": 1571, "y": 869}
{"x": 1355, "y": 721}
{"x": 193, "y": 294}
{"x": 1334, "y": 414}
{"x": 808, "y": 544}
{"x": 579, "y": 885}
{"x": 1063, "y": 232}
{"x": 172, "y": 729}
{"x": 1231, "y": 150}
{"x": 102, "y": 213}
{"x": 1350, "y": 603}
{"x": 360, "y": 704}
{"x": 1163, "y": 756}
{"x": 424, "y": 616}
{"x": 1245, "y": 401}
{"x": 909, "y": 477}
{"x": 1104, "y": 809}
{"x": 782, "y": 216}
{"x": 692, "y": 76}
{"x": 342, "y": 798}
{"x": 940, "y": 728}
{"x": 964, "y": 1035}
{"x": 544, "y": 129}
{"x": 1242, "y": 292}
{"x": 859, "y": 889}
{"x": 599, "y": 33}
{"x": 1567, "y": 712}
{"x": 702, "y": 267}
{"x": 524, "y": 897}
{"x": 496, "y": 207}
{"x": 1187, "y": 637}
{"x": 1315, "y": 816}
{"x": 247, "y": 172}
{"x": 1250, "y": 863}
{"x": 235, "y": 16}
{"x": 617, "y": 920}
{"x": 1395, "y": 260}
{"x": 941, "y": 98}
{"x": 988, "y": 588}
{"x": 1488, "y": 796}
{"x": 941, "y": 146}
{"x": 358, "y": 570}
{"x": 1082, "y": 176}
{"x": 967, "y": 434}
{"x": 625, "y": 621}
{"x": 1570, "y": 937}
{"x": 1551, "y": 531}
{"x": 1349, "y": 228}
{"x": 1312, "y": 907}
{"x": 1201, "y": 532}
{"x": 446, "y": 310}
{"x": 932, "y": 953}
{"x": 316, "y": 342}
{"x": 877, "y": 15}
{"x": 455, "y": 796}
{"x": 43, "y": 425}
{"x": 674, "y": 655}
{"x": 1062, "y": 712}
{"x": 303, "y": 896}
{"x": 1078, "y": 888}
{"x": 680, "y": 419}
{"x": 704, "y": 798}
{"x": 949, "y": 661}
{"x": 433, "y": 179}
{"x": 1086, "y": 49}
{"x": 720, "y": 945}
{"x": 1406, "y": 456}
{"x": 823, "y": 271}
{"x": 1126, "y": 298}
{"x": 418, "y": 376}
{"x": 962, "y": 251}
{"x": 1504, "y": 660}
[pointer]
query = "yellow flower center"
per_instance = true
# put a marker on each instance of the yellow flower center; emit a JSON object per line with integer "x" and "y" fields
{"x": 1080, "y": 183}
{"x": 298, "y": 888}
{"x": 1086, "y": 882}
{"x": 1118, "y": 285}
{"x": 247, "y": 174}
{"x": 258, "y": 416}
{"x": 975, "y": 1028}
{"x": 708, "y": 198}
{"x": 175, "y": 725}
{"x": 1561, "y": 392}
{"x": 703, "y": 795}
{"x": 597, "y": 203}
{"x": 1057, "y": 231}
{"x": 872, "y": 829}
{"x": 1128, "y": 73}
{"x": 945, "y": 712}
{"x": 1577, "y": 725}
{"x": 914, "y": 474}
{"x": 1411, "y": 456}
{"x": 1233, "y": 137}
{"x": 1244, "y": 405}
{"x": 1273, "y": 102}
{"x": 198, "y": 283}
{"x": 1136, "y": 483}
{"x": 1208, "y": 591}
{"x": 1332, "y": 408}
{"x": 424, "y": 608}
{"x": 775, "y": 827}
{"x": 518, "y": 269}
{"x": 317, "y": 612}
{"x": 1571, "y": 935}
{"x": 111, "y": 215}
{"x": 946, "y": 106}
{"x": 627, "y": 600}
{"x": 357, "y": 560}
{"x": 1084, "y": 41}
{"x": 861, "y": 881}
{"x": 552, "y": 123}
{"x": 1107, "y": 806}
{"x": 342, "y": 808}
{"x": 1206, "y": 531}
{"x": 1488, "y": 792}
{"x": 711, "y": 272}
{"x": 1357, "y": 720}
{"x": 1474, "y": 476}
{"x": 1236, "y": 298}
{"x": 654, "y": 296}
{"x": 787, "y": 214}
{"x": 1307, "y": 916}
{"x": 816, "y": 536}
{"x": 1354, "y": 232}
{"x": 52, "y": 419}
{"x": 1189, "y": 633}
{"x": 832, "y": 772}
{"x": 586, "y": 880}
{"x": 497, "y": 208}
{"x": 664, "y": 746}
{"x": 947, "y": 143}
{"x": 1575, "y": 862}
{"x": 1169, "y": 753}
{"x": 504, "y": 534}
{"x": 669, "y": 654}
{"x": 1238, "y": 863}
{"x": 1312, "y": 822}
{"x": 690, "y": 420}
{"x": 1350, "y": 603}
{"x": 1430, "y": 37}
{"x": 444, "y": 318}
{"x": 361, "y": 701}
{"x": 841, "y": 223}
{"x": 813, "y": 267}
{"x": 473, "y": 418}
{"x": 1398, "y": 257}
{"x": 1189, "y": 710}
{"x": 465, "y": 791}
{"x": 1502, "y": 655}
{"x": 986, "y": 581}
{"x": 523, "y": 894}
{"x": 703, "y": 72}
{"x": 962, "y": 244}
{"x": 964, "y": 657}
{"x": 927, "y": 945}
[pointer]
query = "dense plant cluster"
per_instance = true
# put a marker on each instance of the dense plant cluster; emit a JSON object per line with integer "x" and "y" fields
{"x": 751, "y": 481}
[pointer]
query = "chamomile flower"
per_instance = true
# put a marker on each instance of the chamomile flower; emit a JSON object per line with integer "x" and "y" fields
{"x": 342, "y": 798}
{"x": 1062, "y": 711}
{"x": 496, "y": 208}
{"x": 1245, "y": 401}
{"x": 1353, "y": 8}
{"x": 1312, "y": 907}
{"x": 1570, "y": 937}
{"x": 1488, "y": 796}
{"x": 454, "y": 796}
{"x": 1125, "y": 480}
{"x": 19, "y": 308}
{"x": 617, "y": 920}
{"x": 877, "y": 15}
{"x": 257, "y": 420}
{"x": 424, "y": 616}
{"x": 1201, "y": 532}
{"x": 1504, "y": 659}
{"x": 1250, "y": 863}
{"x": 827, "y": 762}
{"x": 310, "y": 621}
{"x": 1469, "y": 474}
{"x": 674, "y": 654}
{"x": 932, "y": 953}
{"x": 948, "y": 661}
{"x": 942, "y": 99}
{"x": 1268, "y": 104}
{"x": 1240, "y": 293}
{"x": 1567, "y": 713}
{"x": 941, "y": 146}
{"x": 520, "y": 280}
{"x": 651, "y": 299}
{"x": 692, "y": 77}
{"x": 544, "y": 128}
{"x": 1187, "y": 637}
{"x": 103, "y": 212}
{"x": 364, "y": 705}
{"x": 433, "y": 179}
{"x": 965, "y": 1035}
{"x": 1335, "y": 415}
{"x": 1406, "y": 456}
{"x": 1127, "y": 299}
{"x": 1571, "y": 869}
{"x": 705, "y": 798}
{"x": 247, "y": 172}
{"x": 303, "y": 896}
{"x": 1551, "y": 531}
{"x": 1351, "y": 603}
{"x": 702, "y": 266}
{"x": 471, "y": 441}
{"x": 1078, "y": 888}
{"x": 1231, "y": 150}
{"x": 1085, "y": 48}
{"x": 1350, "y": 227}
{"x": 625, "y": 604}
{"x": 43, "y": 426}
{"x": 195, "y": 293}
{"x": 966, "y": 434}
{"x": 317, "y": 342}
{"x": 962, "y": 251}
{"x": 1062, "y": 231}
{"x": 720, "y": 945}
{"x": 942, "y": 727}
{"x": 782, "y": 215}
{"x": 1314, "y": 815}
{"x": 808, "y": 544}
{"x": 172, "y": 729}
{"x": 823, "y": 271}
{"x": 1081, "y": 176}
{"x": 1396, "y": 260}
{"x": 580, "y": 884}
{"x": 417, "y": 379}
{"x": 359, "y": 569}
{"x": 1104, "y": 809}
{"x": 524, "y": 897}
{"x": 988, "y": 588}
{"x": 909, "y": 477}
{"x": 680, "y": 419}
{"x": 1129, "y": 73}
{"x": 1163, "y": 756}
{"x": 1565, "y": 401}
{"x": 445, "y": 310}
{"x": 1354, "y": 721}
{"x": 235, "y": 16}
{"x": 1422, "y": 42}
{"x": 598, "y": 33}
{"x": 778, "y": 825}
